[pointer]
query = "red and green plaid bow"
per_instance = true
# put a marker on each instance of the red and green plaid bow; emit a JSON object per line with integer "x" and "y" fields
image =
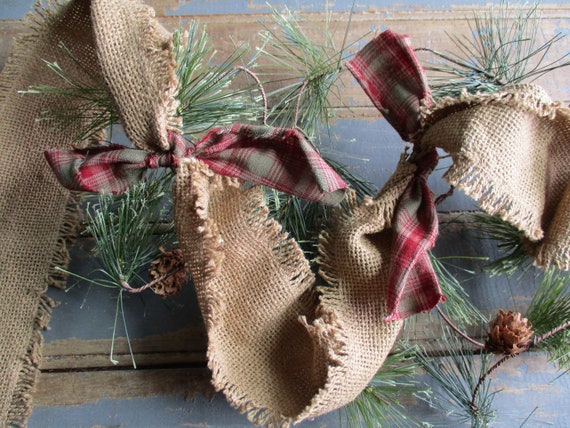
{"x": 392, "y": 77}
{"x": 390, "y": 74}
{"x": 275, "y": 157}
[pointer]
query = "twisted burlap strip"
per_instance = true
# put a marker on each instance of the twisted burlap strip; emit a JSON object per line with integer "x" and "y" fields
{"x": 511, "y": 152}
{"x": 34, "y": 219}
{"x": 278, "y": 351}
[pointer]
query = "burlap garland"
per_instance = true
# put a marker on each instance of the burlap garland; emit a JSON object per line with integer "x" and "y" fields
{"x": 34, "y": 215}
{"x": 511, "y": 153}
{"x": 280, "y": 351}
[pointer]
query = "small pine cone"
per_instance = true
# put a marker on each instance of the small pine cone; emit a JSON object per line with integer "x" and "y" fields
{"x": 173, "y": 270}
{"x": 510, "y": 333}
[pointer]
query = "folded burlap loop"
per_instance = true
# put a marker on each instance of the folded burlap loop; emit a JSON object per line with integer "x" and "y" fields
{"x": 136, "y": 57}
{"x": 511, "y": 153}
{"x": 278, "y": 351}
{"x": 112, "y": 44}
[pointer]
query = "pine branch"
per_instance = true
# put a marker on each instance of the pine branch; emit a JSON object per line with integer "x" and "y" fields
{"x": 206, "y": 96}
{"x": 502, "y": 50}
{"x": 379, "y": 404}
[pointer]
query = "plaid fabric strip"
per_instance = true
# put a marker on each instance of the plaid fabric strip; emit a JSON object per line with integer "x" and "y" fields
{"x": 274, "y": 157}
{"x": 107, "y": 169}
{"x": 280, "y": 158}
{"x": 390, "y": 74}
{"x": 412, "y": 284}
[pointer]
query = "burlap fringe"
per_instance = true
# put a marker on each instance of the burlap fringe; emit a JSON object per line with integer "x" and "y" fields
{"x": 22, "y": 396}
{"x": 524, "y": 97}
{"x": 67, "y": 237}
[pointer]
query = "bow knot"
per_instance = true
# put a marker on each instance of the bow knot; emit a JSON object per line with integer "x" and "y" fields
{"x": 275, "y": 157}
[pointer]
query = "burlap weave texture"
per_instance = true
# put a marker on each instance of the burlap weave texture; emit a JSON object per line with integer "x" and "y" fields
{"x": 34, "y": 215}
{"x": 511, "y": 153}
{"x": 281, "y": 352}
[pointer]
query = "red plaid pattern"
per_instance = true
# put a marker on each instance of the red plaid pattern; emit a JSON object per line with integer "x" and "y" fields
{"x": 392, "y": 77}
{"x": 274, "y": 157}
{"x": 390, "y": 74}
{"x": 412, "y": 284}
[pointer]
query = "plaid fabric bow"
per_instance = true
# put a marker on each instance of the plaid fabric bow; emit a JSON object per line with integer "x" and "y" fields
{"x": 390, "y": 74}
{"x": 275, "y": 157}
{"x": 392, "y": 77}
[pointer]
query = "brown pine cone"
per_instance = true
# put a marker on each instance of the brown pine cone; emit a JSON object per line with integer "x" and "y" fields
{"x": 510, "y": 333}
{"x": 170, "y": 272}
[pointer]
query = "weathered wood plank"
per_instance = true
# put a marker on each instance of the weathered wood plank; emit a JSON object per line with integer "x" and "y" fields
{"x": 79, "y": 387}
{"x": 427, "y": 28}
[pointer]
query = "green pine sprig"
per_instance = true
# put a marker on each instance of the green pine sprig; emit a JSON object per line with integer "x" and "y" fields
{"x": 207, "y": 98}
{"x": 501, "y": 49}
{"x": 126, "y": 239}
{"x": 514, "y": 257}
{"x": 458, "y": 304}
{"x": 93, "y": 109}
{"x": 311, "y": 67}
{"x": 549, "y": 312}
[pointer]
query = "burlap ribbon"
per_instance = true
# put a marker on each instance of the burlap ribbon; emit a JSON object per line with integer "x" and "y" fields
{"x": 511, "y": 153}
{"x": 114, "y": 40}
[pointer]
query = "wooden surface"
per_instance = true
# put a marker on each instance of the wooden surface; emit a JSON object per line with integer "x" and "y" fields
{"x": 79, "y": 386}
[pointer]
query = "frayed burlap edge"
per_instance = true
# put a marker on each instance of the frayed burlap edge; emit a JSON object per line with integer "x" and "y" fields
{"x": 25, "y": 379}
{"x": 524, "y": 97}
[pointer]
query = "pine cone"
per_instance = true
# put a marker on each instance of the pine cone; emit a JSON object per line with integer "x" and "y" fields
{"x": 171, "y": 271}
{"x": 510, "y": 333}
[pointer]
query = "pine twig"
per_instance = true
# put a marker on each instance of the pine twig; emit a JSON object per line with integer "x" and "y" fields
{"x": 457, "y": 330}
{"x": 551, "y": 333}
{"x": 152, "y": 283}
{"x": 506, "y": 357}
{"x": 487, "y": 373}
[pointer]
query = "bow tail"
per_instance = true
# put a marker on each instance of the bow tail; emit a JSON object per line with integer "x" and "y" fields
{"x": 412, "y": 283}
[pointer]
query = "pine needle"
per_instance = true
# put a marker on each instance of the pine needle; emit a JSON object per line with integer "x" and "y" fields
{"x": 379, "y": 404}
{"x": 93, "y": 108}
{"x": 502, "y": 49}
{"x": 550, "y": 308}
{"x": 205, "y": 94}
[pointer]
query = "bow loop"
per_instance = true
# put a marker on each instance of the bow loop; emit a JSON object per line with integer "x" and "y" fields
{"x": 394, "y": 80}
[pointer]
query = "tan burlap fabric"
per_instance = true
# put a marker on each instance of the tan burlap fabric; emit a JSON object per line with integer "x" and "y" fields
{"x": 34, "y": 219}
{"x": 279, "y": 349}
{"x": 511, "y": 152}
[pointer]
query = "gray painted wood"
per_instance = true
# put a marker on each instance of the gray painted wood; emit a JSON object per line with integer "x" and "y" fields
{"x": 168, "y": 337}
